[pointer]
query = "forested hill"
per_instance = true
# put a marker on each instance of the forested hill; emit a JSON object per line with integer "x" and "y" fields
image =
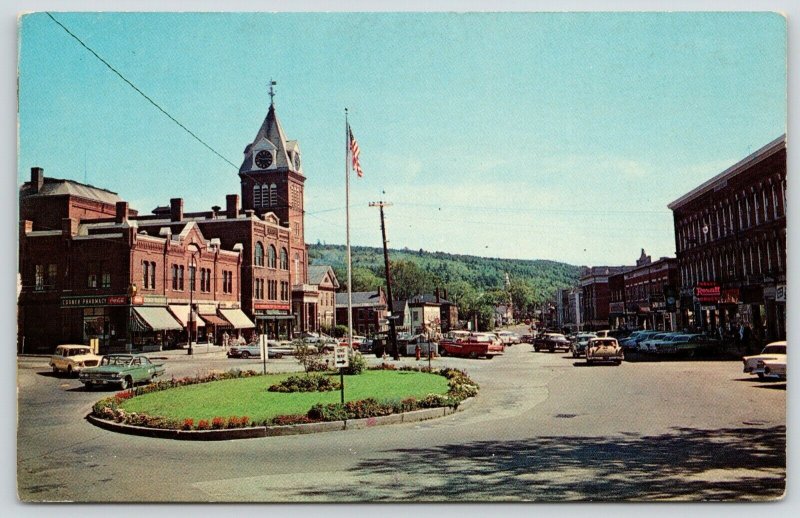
{"x": 415, "y": 272}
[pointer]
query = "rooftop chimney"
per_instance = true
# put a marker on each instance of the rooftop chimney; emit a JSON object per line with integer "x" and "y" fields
{"x": 438, "y": 298}
{"x": 445, "y": 294}
{"x": 232, "y": 204}
{"x": 122, "y": 212}
{"x": 37, "y": 178}
{"x": 69, "y": 227}
{"x": 176, "y": 209}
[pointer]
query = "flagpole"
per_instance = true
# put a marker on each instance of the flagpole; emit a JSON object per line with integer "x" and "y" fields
{"x": 347, "y": 212}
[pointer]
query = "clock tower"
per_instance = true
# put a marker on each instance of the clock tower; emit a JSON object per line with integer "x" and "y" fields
{"x": 272, "y": 180}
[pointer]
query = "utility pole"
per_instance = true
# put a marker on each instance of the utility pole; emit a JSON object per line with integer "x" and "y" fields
{"x": 392, "y": 328}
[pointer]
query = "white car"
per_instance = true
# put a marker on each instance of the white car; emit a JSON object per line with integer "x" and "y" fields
{"x": 507, "y": 337}
{"x": 604, "y": 350}
{"x": 774, "y": 352}
{"x": 651, "y": 344}
{"x": 775, "y": 368}
{"x": 73, "y": 358}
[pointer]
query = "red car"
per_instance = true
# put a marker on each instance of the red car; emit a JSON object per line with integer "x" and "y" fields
{"x": 472, "y": 346}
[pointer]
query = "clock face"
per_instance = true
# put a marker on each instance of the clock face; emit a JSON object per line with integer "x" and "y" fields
{"x": 263, "y": 159}
{"x": 296, "y": 161}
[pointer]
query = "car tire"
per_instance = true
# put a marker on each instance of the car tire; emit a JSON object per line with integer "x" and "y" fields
{"x": 55, "y": 370}
{"x": 589, "y": 362}
{"x": 69, "y": 371}
{"x": 125, "y": 383}
{"x": 761, "y": 375}
{"x": 245, "y": 355}
{"x": 89, "y": 385}
{"x": 443, "y": 352}
{"x": 473, "y": 355}
{"x": 552, "y": 350}
{"x": 536, "y": 349}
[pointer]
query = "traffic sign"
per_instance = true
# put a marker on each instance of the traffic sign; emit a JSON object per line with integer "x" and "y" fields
{"x": 341, "y": 357}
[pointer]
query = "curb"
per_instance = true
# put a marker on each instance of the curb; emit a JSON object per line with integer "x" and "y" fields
{"x": 277, "y": 431}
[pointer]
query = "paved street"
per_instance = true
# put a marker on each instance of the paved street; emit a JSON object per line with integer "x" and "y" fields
{"x": 544, "y": 427}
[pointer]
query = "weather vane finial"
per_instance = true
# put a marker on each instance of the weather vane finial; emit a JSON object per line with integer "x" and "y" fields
{"x": 272, "y": 92}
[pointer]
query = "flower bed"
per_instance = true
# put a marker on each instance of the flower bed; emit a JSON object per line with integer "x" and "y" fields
{"x": 460, "y": 387}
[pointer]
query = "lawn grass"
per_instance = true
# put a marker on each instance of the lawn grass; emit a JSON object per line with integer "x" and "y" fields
{"x": 249, "y": 396}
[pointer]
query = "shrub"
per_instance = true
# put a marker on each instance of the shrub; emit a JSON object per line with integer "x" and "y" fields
{"x": 188, "y": 424}
{"x": 238, "y": 422}
{"x": 357, "y": 365}
{"x": 203, "y": 425}
{"x": 282, "y": 420}
{"x": 329, "y": 412}
{"x": 387, "y": 367}
{"x": 311, "y": 383}
{"x": 218, "y": 423}
{"x": 340, "y": 331}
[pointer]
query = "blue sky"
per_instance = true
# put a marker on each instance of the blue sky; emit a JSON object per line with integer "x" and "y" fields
{"x": 534, "y": 136}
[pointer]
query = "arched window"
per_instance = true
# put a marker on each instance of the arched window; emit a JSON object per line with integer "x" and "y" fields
{"x": 284, "y": 259}
{"x": 271, "y": 262}
{"x": 258, "y": 260}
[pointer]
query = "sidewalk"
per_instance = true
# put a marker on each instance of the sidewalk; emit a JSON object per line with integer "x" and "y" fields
{"x": 199, "y": 350}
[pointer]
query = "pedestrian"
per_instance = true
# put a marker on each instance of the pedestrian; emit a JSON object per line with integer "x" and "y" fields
{"x": 225, "y": 338}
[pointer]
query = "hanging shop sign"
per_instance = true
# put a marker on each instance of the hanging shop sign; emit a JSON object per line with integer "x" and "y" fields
{"x": 616, "y": 307}
{"x": 707, "y": 292}
{"x": 780, "y": 293}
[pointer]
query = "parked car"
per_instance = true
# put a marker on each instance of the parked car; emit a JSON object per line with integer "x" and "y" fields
{"x": 358, "y": 341}
{"x": 631, "y": 343}
{"x": 776, "y": 351}
{"x": 72, "y": 359}
{"x": 604, "y": 350}
{"x": 650, "y": 344}
{"x": 320, "y": 340}
{"x": 472, "y": 346}
{"x": 124, "y": 370}
{"x": 689, "y": 344}
{"x": 578, "y": 346}
{"x": 508, "y": 338}
{"x": 253, "y": 350}
{"x": 775, "y": 368}
{"x": 551, "y": 342}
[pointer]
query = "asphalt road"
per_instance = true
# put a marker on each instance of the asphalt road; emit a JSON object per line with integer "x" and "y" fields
{"x": 544, "y": 428}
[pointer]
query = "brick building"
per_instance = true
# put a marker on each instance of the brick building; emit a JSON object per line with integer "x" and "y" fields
{"x": 730, "y": 237}
{"x": 644, "y": 297}
{"x": 109, "y": 280}
{"x": 596, "y": 296}
{"x": 269, "y": 288}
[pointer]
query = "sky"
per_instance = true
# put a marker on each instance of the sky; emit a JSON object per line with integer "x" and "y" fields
{"x": 557, "y": 136}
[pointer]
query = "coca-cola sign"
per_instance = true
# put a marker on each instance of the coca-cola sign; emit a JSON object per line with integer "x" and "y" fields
{"x": 707, "y": 292}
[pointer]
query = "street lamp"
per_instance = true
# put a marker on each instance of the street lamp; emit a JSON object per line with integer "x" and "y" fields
{"x": 194, "y": 249}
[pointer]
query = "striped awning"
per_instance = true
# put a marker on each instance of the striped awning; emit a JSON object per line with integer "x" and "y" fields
{"x": 155, "y": 318}
{"x": 237, "y": 318}
{"x": 181, "y": 313}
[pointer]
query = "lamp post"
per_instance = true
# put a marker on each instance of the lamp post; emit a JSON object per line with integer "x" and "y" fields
{"x": 194, "y": 249}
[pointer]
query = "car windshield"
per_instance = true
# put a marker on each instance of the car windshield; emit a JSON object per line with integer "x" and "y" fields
{"x": 116, "y": 360}
{"x": 76, "y": 352}
{"x": 774, "y": 349}
{"x": 604, "y": 343}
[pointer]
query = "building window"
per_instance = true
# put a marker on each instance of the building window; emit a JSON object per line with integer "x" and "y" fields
{"x": 175, "y": 277}
{"x": 52, "y": 273}
{"x": 284, "y": 259}
{"x": 257, "y": 195}
{"x": 297, "y": 279}
{"x": 39, "y": 277}
{"x": 145, "y": 275}
{"x": 106, "y": 280}
{"x": 774, "y": 203}
{"x": 181, "y": 270}
{"x": 272, "y": 259}
{"x": 227, "y": 281}
{"x": 259, "y": 289}
{"x": 756, "y": 208}
{"x": 259, "y": 255}
{"x": 152, "y": 275}
{"x": 91, "y": 278}
{"x": 273, "y": 195}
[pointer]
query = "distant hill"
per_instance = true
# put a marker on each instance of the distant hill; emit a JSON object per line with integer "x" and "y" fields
{"x": 483, "y": 274}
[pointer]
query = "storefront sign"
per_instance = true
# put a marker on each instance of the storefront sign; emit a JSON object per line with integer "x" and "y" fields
{"x": 270, "y": 305}
{"x": 707, "y": 292}
{"x": 103, "y": 300}
{"x": 780, "y": 293}
{"x": 708, "y": 308}
{"x": 151, "y": 300}
{"x": 729, "y": 296}
{"x": 616, "y": 307}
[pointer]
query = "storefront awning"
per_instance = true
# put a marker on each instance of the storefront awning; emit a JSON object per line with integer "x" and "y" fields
{"x": 237, "y": 318}
{"x": 156, "y": 318}
{"x": 181, "y": 313}
{"x": 214, "y": 320}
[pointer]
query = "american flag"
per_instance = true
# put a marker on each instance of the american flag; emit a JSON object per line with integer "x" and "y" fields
{"x": 355, "y": 152}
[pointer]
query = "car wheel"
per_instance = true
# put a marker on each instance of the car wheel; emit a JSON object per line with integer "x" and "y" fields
{"x": 245, "y": 355}
{"x": 552, "y": 350}
{"x": 761, "y": 375}
{"x": 618, "y": 363}
{"x": 473, "y": 355}
{"x": 89, "y": 385}
{"x": 489, "y": 356}
{"x": 589, "y": 362}
{"x": 536, "y": 349}
{"x": 69, "y": 371}
{"x": 55, "y": 370}
{"x": 125, "y": 383}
